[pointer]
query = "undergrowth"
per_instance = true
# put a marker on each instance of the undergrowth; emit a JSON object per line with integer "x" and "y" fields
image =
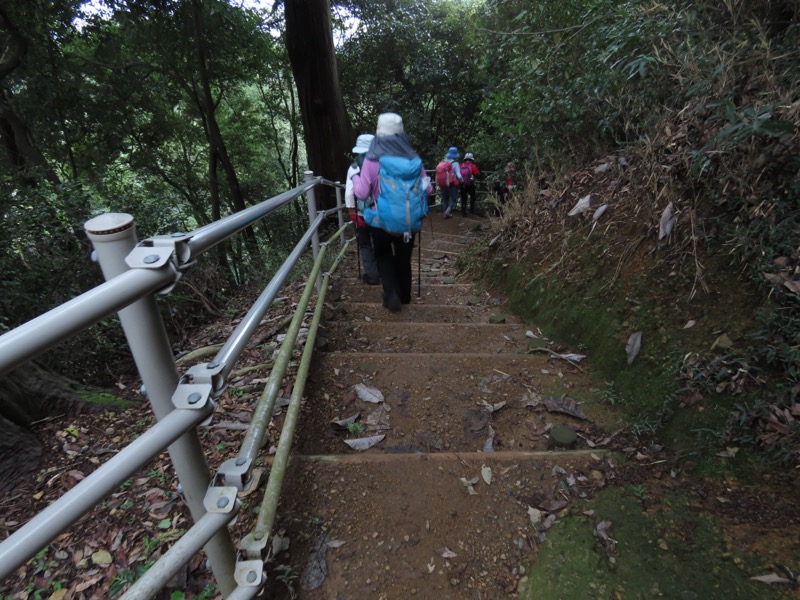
{"x": 689, "y": 232}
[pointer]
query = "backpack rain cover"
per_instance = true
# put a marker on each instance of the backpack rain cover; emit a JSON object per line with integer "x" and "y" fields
{"x": 403, "y": 202}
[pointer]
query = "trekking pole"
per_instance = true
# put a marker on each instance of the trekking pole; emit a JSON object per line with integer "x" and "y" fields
{"x": 419, "y": 265}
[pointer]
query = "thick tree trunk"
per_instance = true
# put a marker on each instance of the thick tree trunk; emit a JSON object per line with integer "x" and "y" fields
{"x": 28, "y": 394}
{"x": 20, "y": 452}
{"x": 327, "y": 129}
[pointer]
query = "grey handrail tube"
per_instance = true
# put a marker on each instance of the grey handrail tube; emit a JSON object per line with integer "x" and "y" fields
{"x": 181, "y": 552}
{"x": 205, "y": 237}
{"x": 24, "y": 543}
{"x": 38, "y": 335}
{"x": 237, "y": 341}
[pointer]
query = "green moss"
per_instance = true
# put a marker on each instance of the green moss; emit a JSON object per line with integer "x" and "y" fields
{"x": 585, "y": 317}
{"x": 101, "y": 398}
{"x": 667, "y": 551}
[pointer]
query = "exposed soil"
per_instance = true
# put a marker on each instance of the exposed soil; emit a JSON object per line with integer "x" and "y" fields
{"x": 457, "y": 500}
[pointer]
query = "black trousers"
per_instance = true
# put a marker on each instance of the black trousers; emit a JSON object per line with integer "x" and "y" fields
{"x": 364, "y": 239}
{"x": 394, "y": 263}
{"x": 467, "y": 190}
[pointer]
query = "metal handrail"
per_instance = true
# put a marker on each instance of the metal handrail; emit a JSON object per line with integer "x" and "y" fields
{"x": 133, "y": 275}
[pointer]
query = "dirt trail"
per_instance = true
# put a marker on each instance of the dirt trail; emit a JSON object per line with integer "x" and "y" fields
{"x": 444, "y": 506}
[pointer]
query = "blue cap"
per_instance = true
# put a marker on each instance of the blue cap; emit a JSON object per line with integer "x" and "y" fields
{"x": 452, "y": 152}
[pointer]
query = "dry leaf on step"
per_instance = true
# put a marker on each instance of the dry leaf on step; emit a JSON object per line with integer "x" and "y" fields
{"x": 583, "y": 205}
{"x": 633, "y": 346}
{"x": 368, "y": 394}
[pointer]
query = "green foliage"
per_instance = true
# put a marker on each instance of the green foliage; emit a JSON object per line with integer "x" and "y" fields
{"x": 355, "y": 428}
{"x": 424, "y": 63}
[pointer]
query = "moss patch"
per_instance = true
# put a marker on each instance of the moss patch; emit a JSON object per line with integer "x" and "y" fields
{"x": 666, "y": 551}
{"x": 102, "y": 398}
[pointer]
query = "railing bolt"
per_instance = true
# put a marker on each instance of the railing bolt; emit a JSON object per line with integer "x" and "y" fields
{"x": 151, "y": 258}
{"x": 143, "y": 391}
{"x": 212, "y": 365}
{"x": 259, "y": 536}
{"x": 240, "y": 461}
{"x": 222, "y": 502}
{"x": 194, "y": 398}
{"x": 178, "y": 234}
{"x": 251, "y": 576}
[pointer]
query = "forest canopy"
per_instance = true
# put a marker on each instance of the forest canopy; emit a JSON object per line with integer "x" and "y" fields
{"x": 182, "y": 111}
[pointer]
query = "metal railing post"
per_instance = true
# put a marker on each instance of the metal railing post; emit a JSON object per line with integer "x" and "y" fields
{"x": 339, "y": 205}
{"x": 113, "y": 237}
{"x": 312, "y": 216}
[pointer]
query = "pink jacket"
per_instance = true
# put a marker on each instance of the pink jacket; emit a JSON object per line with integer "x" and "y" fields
{"x": 367, "y": 185}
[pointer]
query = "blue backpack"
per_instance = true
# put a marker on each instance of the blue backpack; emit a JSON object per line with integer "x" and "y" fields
{"x": 403, "y": 202}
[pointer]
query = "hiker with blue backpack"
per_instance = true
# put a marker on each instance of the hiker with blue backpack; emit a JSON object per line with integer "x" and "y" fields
{"x": 393, "y": 177}
{"x": 355, "y": 208}
{"x": 448, "y": 178}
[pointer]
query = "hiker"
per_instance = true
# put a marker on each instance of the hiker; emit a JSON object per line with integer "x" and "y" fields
{"x": 448, "y": 178}
{"x": 469, "y": 171}
{"x": 505, "y": 188}
{"x": 355, "y": 207}
{"x": 394, "y": 177}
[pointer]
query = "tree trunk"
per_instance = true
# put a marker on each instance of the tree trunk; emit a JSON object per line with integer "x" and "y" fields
{"x": 20, "y": 452}
{"x": 28, "y": 394}
{"x": 309, "y": 41}
{"x": 208, "y": 106}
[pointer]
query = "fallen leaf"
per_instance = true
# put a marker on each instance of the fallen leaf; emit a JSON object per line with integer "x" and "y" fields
{"x": 535, "y": 515}
{"x": 667, "y": 221}
{"x": 690, "y": 323}
{"x": 343, "y": 423}
{"x": 583, "y": 205}
{"x": 565, "y": 405}
{"x": 486, "y": 474}
{"x": 102, "y": 558}
{"x": 728, "y": 452}
{"x": 771, "y": 578}
{"x": 279, "y": 544}
{"x": 316, "y": 568}
{"x": 431, "y": 566}
{"x": 553, "y": 505}
{"x": 633, "y": 346}
{"x": 599, "y": 212}
{"x": 368, "y": 394}
{"x": 444, "y": 552}
{"x": 469, "y": 483}
{"x": 336, "y": 543}
{"x": 365, "y": 443}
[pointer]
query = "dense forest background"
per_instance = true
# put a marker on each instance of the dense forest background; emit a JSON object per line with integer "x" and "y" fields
{"x": 180, "y": 112}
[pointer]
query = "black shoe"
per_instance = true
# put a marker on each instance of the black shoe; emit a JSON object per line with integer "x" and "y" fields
{"x": 371, "y": 280}
{"x": 392, "y": 302}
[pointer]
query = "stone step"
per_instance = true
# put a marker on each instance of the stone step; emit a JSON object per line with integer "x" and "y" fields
{"x": 443, "y": 407}
{"x": 418, "y": 313}
{"x": 370, "y": 527}
{"x": 431, "y": 293}
{"x": 461, "y": 338}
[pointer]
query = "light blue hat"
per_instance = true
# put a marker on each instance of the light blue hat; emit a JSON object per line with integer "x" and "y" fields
{"x": 362, "y": 143}
{"x": 452, "y": 152}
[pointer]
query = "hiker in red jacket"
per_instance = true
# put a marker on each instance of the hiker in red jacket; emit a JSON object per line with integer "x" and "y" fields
{"x": 469, "y": 171}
